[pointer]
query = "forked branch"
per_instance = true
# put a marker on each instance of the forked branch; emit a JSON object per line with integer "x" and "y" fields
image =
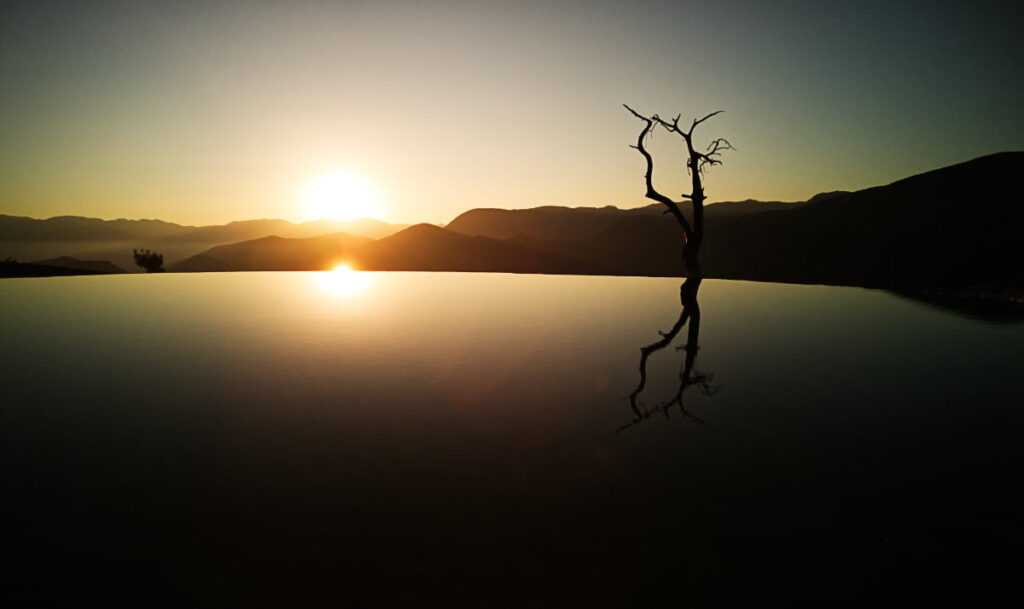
{"x": 652, "y": 193}
{"x": 689, "y": 315}
{"x": 696, "y": 162}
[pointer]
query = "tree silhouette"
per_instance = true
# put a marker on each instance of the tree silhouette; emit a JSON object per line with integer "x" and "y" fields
{"x": 151, "y": 261}
{"x": 696, "y": 162}
{"x": 689, "y": 376}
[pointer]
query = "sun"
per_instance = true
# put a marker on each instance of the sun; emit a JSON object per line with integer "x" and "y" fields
{"x": 343, "y": 280}
{"x": 341, "y": 196}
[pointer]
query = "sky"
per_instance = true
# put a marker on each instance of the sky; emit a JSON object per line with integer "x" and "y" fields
{"x": 209, "y": 112}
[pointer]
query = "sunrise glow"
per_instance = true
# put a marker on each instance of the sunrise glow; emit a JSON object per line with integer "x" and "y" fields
{"x": 341, "y": 196}
{"x": 343, "y": 281}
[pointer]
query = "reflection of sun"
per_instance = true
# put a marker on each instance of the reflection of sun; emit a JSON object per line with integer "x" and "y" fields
{"x": 341, "y": 196}
{"x": 343, "y": 281}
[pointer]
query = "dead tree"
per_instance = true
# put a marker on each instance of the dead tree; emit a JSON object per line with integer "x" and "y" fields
{"x": 696, "y": 162}
{"x": 689, "y": 376}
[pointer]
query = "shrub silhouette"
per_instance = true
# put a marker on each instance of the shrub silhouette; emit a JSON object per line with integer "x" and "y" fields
{"x": 151, "y": 261}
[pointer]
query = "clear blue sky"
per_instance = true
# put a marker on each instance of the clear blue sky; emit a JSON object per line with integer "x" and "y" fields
{"x": 206, "y": 112}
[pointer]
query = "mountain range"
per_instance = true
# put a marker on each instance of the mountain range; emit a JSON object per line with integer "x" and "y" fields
{"x": 951, "y": 226}
{"x": 27, "y": 239}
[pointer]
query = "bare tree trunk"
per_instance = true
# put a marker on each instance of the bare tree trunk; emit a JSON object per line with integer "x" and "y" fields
{"x": 693, "y": 233}
{"x": 691, "y": 250}
{"x": 689, "y": 313}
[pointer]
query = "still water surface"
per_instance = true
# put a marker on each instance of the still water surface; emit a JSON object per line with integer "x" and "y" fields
{"x": 397, "y": 439}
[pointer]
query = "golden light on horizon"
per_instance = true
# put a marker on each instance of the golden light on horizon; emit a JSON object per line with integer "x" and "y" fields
{"x": 343, "y": 281}
{"x": 341, "y": 195}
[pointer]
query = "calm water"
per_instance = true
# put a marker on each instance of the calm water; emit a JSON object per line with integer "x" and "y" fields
{"x": 403, "y": 439}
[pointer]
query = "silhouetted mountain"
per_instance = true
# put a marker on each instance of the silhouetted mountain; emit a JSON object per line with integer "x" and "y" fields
{"x": 22, "y": 269}
{"x": 821, "y": 196}
{"x": 16, "y": 229}
{"x": 734, "y": 209}
{"x": 423, "y": 247}
{"x": 580, "y": 223}
{"x": 638, "y": 244}
{"x": 951, "y": 225}
{"x": 145, "y": 229}
{"x": 252, "y": 229}
{"x": 98, "y": 266}
{"x": 641, "y": 241}
{"x": 361, "y": 227}
{"x": 276, "y": 254}
{"x": 546, "y": 223}
{"x": 426, "y": 247}
{"x": 92, "y": 238}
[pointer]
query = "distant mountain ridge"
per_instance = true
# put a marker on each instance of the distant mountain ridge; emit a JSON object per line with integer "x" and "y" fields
{"x": 551, "y": 223}
{"x": 80, "y": 228}
{"x": 951, "y": 226}
{"x": 274, "y": 254}
{"x": 97, "y": 266}
{"x": 113, "y": 240}
{"x": 422, "y": 247}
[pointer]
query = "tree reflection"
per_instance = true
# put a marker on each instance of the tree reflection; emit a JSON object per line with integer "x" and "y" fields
{"x": 689, "y": 376}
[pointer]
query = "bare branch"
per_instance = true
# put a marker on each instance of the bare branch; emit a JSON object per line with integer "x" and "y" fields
{"x": 652, "y": 193}
{"x": 699, "y": 121}
{"x": 706, "y": 159}
{"x": 645, "y": 352}
{"x": 635, "y": 113}
{"x": 696, "y": 163}
{"x": 672, "y": 127}
{"x": 714, "y": 150}
{"x": 720, "y": 144}
{"x": 689, "y": 376}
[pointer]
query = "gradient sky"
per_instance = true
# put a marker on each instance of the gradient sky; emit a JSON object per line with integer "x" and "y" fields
{"x": 207, "y": 112}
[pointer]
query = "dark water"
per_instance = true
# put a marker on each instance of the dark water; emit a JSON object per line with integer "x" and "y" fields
{"x": 287, "y": 439}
